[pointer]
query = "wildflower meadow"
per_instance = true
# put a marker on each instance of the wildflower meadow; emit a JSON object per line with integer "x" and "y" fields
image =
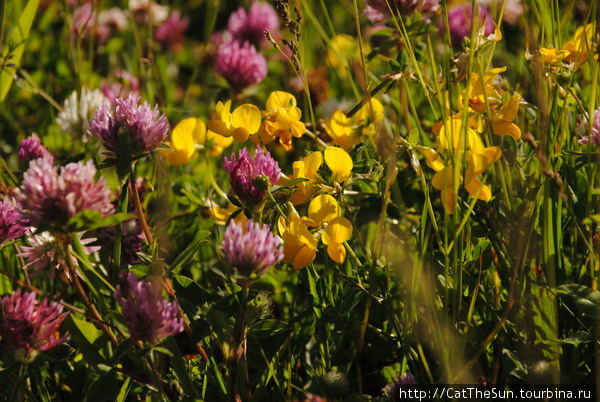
{"x": 298, "y": 200}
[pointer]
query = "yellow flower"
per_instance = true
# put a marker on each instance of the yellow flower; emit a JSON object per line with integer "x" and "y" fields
{"x": 502, "y": 120}
{"x": 481, "y": 84}
{"x": 306, "y": 169}
{"x": 432, "y": 158}
{"x": 552, "y": 57}
{"x": 340, "y": 50}
{"x": 339, "y": 162}
{"x": 580, "y": 45}
{"x": 476, "y": 164}
{"x": 443, "y": 181}
{"x": 182, "y": 141}
{"x": 451, "y": 137}
{"x": 300, "y": 244}
{"x": 364, "y": 113}
{"x": 341, "y": 130}
{"x": 338, "y": 231}
{"x": 220, "y": 215}
{"x": 281, "y": 119}
{"x": 239, "y": 124}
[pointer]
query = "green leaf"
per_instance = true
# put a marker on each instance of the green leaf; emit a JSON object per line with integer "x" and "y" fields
{"x": 16, "y": 46}
{"x": 87, "y": 337}
{"x": 586, "y": 299}
{"x": 267, "y": 328}
{"x": 90, "y": 219}
{"x": 190, "y": 251}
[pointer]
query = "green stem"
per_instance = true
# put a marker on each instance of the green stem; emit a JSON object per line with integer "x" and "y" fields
{"x": 122, "y": 207}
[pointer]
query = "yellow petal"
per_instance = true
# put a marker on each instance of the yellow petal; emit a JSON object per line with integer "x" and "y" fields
{"x": 178, "y": 157}
{"x": 312, "y": 163}
{"x": 432, "y": 158}
{"x": 364, "y": 112}
{"x": 503, "y": 127}
{"x": 280, "y": 99}
{"x": 338, "y": 230}
{"x": 298, "y": 128}
{"x": 290, "y": 252}
{"x": 246, "y": 116}
{"x": 323, "y": 209}
{"x": 442, "y": 179}
{"x": 223, "y": 111}
{"x": 492, "y": 154}
{"x": 241, "y": 134}
{"x": 219, "y": 127}
{"x": 301, "y": 234}
{"x": 336, "y": 252}
{"x": 286, "y": 117}
{"x": 339, "y": 125}
{"x": 304, "y": 257}
{"x": 476, "y": 164}
{"x": 182, "y": 136}
{"x": 510, "y": 108}
{"x": 473, "y": 186}
{"x": 449, "y": 200}
{"x": 339, "y": 162}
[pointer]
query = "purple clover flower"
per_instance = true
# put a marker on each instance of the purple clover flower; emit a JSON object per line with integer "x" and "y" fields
{"x": 31, "y": 148}
{"x": 459, "y": 21}
{"x": 378, "y": 10}
{"x": 48, "y": 197}
{"x": 251, "y": 25}
{"x": 595, "y": 137}
{"x": 170, "y": 33}
{"x": 148, "y": 315}
{"x": 46, "y": 254}
{"x": 10, "y": 222}
{"x": 145, "y": 127}
{"x": 251, "y": 248}
{"x": 240, "y": 64}
{"x": 248, "y": 174}
{"x": 28, "y": 325}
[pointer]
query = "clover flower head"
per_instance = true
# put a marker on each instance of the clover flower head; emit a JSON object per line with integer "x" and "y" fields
{"x": 460, "y": 19}
{"x": 145, "y": 128}
{"x": 248, "y": 174}
{"x": 148, "y": 315}
{"x": 28, "y": 325}
{"x": 170, "y": 33}
{"x": 46, "y": 254}
{"x": 31, "y": 148}
{"x": 50, "y": 197}
{"x": 595, "y": 137}
{"x": 109, "y": 21}
{"x": 240, "y": 64}
{"x": 78, "y": 110}
{"x": 10, "y": 222}
{"x": 250, "y": 249}
{"x": 83, "y": 20}
{"x": 145, "y": 11}
{"x": 251, "y": 25}
{"x": 378, "y": 10}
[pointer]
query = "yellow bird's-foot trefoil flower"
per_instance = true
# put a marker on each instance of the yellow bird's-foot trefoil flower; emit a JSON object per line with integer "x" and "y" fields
{"x": 239, "y": 124}
{"x": 300, "y": 243}
{"x": 281, "y": 120}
